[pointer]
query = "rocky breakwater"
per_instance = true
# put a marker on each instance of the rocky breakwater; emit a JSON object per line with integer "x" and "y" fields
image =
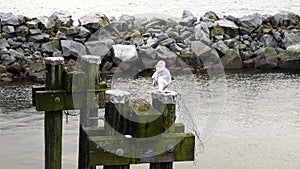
{"x": 252, "y": 41}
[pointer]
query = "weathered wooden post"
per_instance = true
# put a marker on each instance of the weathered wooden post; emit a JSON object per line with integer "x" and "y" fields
{"x": 165, "y": 102}
{"x": 89, "y": 112}
{"x": 116, "y": 109}
{"x": 53, "y": 119}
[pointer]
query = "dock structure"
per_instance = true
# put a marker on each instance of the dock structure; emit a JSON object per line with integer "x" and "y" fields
{"x": 134, "y": 130}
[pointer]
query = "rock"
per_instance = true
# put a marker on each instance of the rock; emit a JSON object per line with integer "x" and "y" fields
{"x": 285, "y": 19}
{"x": 63, "y": 18}
{"x": 107, "y": 66}
{"x": 97, "y": 48}
{"x": 15, "y": 69}
{"x": 2, "y": 68}
{"x": 93, "y": 20}
{"x": 167, "y": 42}
{"x": 69, "y": 30}
{"x": 10, "y": 19}
{"x": 15, "y": 54}
{"x": 221, "y": 47}
{"x": 291, "y": 38}
{"x": 13, "y": 44}
{"x": 199, "y": 48}
{"x": 269, "y": 41}
{"x": 51, "y": 46}
{"x": 124, "y": 56}
{"x": 33, "y": 24}
{"x": 201, "y": 33}
{"x": 46, "y": 22}
{"x": 230, "y": 28}
{"x": 266, "y": 58}
{"x": 72, "y": 48}
{"x": 147, "y": 53}
{"x": 250, "y": 63}
{"x": 250, "y": 22}
{"x": 187, "y": 19}
{"x": 232, "y": 60}
{"x": 3, "y": 44}
{"x": 6, "y": 79}
{"x": 290, "y": 59}
{"x": 35, "y": 31}
{"x": 39, "y": 37}
{"x": 151, "y": 42}
{"x": 22, "y": 31}
{"x": 210, "y": 16}
{"x": 7, "y": 59}
{"x": 166, "y": 54}
{"x": 83, "y": 32}
{"x": 8, "y": 29}
{"x": 127, "y": 18}
{"x": 185, "y": 35}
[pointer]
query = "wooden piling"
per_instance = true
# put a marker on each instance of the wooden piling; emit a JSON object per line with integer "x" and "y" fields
{"x": 116, "y": 108}
{"x": 53, "y": 119}
{"x": 89, "y": 113}
{"x": 165, "y": 102}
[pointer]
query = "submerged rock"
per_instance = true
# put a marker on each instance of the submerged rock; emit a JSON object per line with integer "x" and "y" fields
{"x": 266, "y": 58}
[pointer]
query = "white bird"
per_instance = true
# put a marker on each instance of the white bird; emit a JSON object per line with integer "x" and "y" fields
{"x": 161, "y": 76}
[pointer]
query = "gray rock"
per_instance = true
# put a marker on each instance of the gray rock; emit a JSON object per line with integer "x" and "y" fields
{"x": 7, "y": 59}
{"x": 201, "y": 33}
{"x": 167, "y": 42}
{"x": 269, "y": 41}
{"x": 72, "y": 48}
{"x": 175, "y": 48}
{"x": 39, "y": 37}
{"x": 210, "y": 16}
{"x": 148, "y": 57}
{"x": 83, "y": 32}
{"x": 125, "y": 56}
{"x": 3, "y": 44}
{"x": 63, "y": 18}
{"x": 221, "y": 47}
{"x": 6, "y": 79}
{"x": 10, "y": 19}
{"x": 8, "y": 29}
{"x": 290, "y": 59}
{"x": 35, "y": 31}
{"x": 151, "y": 42}
{"x": 69, "y": 30}
{"x": 166, "y": 54}
{"x": 266, "y": 58}
{"x": 172, "y": 33}
{"x": 285, "y": 19}
{"x": 2, "y": 68}
{"x": 13, "y": 44}
{"x": 33, "y": 24}
{"x": 97, "y": 48}
{"x": 93, "y": 20}
{"x": 46, "y": 22}
{"x": 199, "y": 48}
{"x": 230, "y": 28}
{"x": 250, "y": 22}
{"x": 187, "y": 19}
{"x": 290, "y": 38}
{"x": 185, "y": 35}
{"x": 51, "y": 46}
{"x": 232, "y": 60}
{"x": 15, "y": 54}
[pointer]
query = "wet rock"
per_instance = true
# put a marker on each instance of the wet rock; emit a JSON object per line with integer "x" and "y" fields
{"x": 124, "y": 55}
{"x": 187, "y": 19}
{"x": 2, "y": 68}
{"x": 72, "y": 48}
{"x": 8, "y": 29}
{"x": 22, "y": 31}
{"x": 94, "y": 20}
{"x": 97, "y": 48}
{"x": 285, "y": 19}
{"x": 269, "y": 41}
{"x": 10, "y": 19}
{"x": 230, "y": 28}
{"x": 290, "y": 59}
{"x": 290, "y": 38}
{"x": 210, "y": 16}
{"x": 232, "y": 60}
{"x": 39, "y": 37}
{"x": 250, "y": 63}
{"x": 46, "y": 22}
{"x": 63, "y": 18}
{"x": 250, "y": 22}
{"x": 51, "y": 46}
{"x": 266, "y": 58}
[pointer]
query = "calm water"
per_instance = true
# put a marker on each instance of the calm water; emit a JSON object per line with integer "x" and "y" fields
{"x": 259, "y": 128}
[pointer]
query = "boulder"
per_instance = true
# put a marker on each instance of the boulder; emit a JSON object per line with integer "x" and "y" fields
{"x": 3, "y": 44}
{"x": 232, "y": 60}
{"x": 148, "y": 57}
{"x": 269, "y": 41}
{"x": 8, "y": 29}
{"x": 285, "y": 19}
{"x": 124, "y": 56}
{"x": 69, "y": 30}
{"x": 51, "y": 46}
{"x": 63, "y": 18}
{"x": 2, "y": 68}
{"x": 221, "y": 47}
{"x": 210, "y": 16}
{"x": 290, "y": 38}
{"x": 187, "y": 19}
{"x": 230, "y": 28}
{"x": 291, "y": 58}
{"x": 266, "y": 58}
{"x": 250, "y": 63}
{"x": 93, "y": 20}
{"x": 46, "y": 22}
{"x": 164, "y": 53}
{"x": 39, "y": 37}
{"x": 10, "y": 19}
{"x": 201, "y": 33}
{"x": 97, "y": 48}
{"x": 33, "y": 24}
{"x": 7, "y": 59}
{"x": 35, "y": 31}
{"x": 250, "y": 22}
{"x": 207, "y": 55}
{"x": 83, "y": 32}
{"x": 72, "y": 48}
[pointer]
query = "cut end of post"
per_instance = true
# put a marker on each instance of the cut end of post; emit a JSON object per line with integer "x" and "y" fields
{"x": 92, "y": 59}
{"x": 166, "y": 97}
{"x": 117, "y": 96}
{"x": 54, "y": 60}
